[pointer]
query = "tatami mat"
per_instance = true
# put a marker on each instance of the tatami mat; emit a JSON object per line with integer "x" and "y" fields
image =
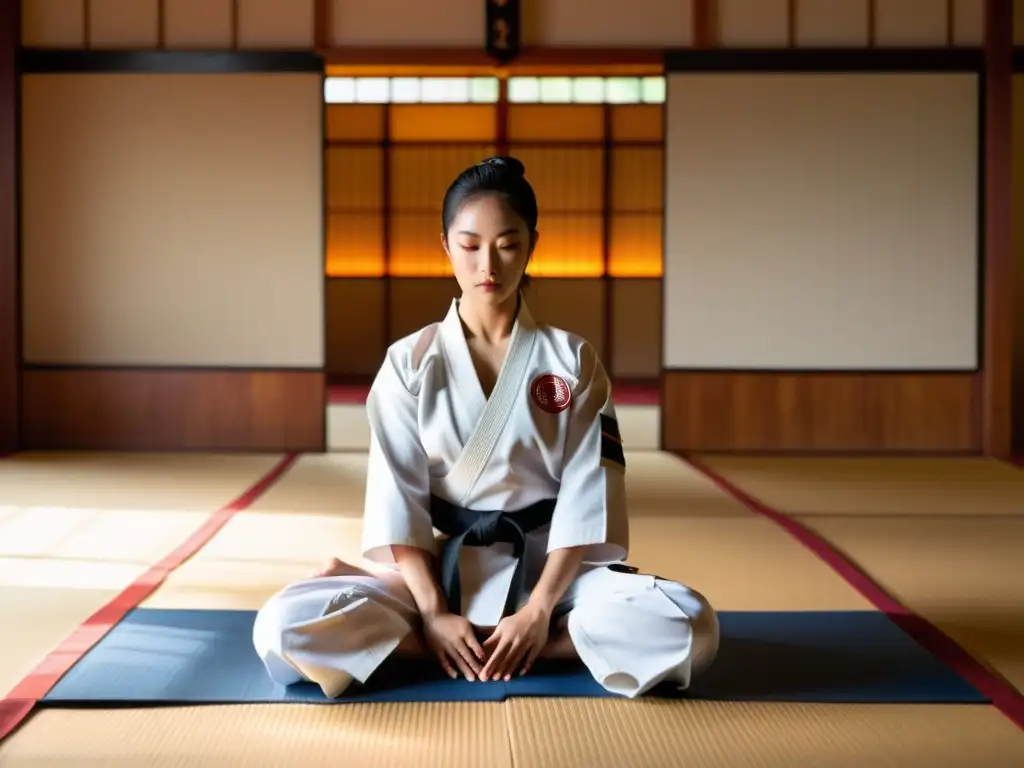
{"x": 740, "y": 564}
{"x": 878, "y": 486}
{"x": 683, "y": 527}
{"x": 962, "y": 574}
{"x": 452, "y": 735}
{"x": 552, "y": 733}
{"x": 196, "y": 482}
{"x": 941, "y": 535}
{"x": 76, "y": 529}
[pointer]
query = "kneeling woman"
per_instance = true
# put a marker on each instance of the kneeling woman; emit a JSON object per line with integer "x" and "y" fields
{"x": 501, "y": 434}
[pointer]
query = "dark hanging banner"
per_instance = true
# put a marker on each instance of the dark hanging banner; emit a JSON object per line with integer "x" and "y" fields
{"x": 503, "y": 29}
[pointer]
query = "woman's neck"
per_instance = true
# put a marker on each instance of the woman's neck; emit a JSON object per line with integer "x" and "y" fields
{"x": 489, "y": 323}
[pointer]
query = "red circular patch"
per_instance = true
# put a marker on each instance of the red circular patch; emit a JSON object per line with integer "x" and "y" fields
{"x": 551, "y": 393}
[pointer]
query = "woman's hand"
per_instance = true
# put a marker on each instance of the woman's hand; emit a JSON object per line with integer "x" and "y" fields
{"x": 451, "y": 639}
{"x": 518, "y": 639}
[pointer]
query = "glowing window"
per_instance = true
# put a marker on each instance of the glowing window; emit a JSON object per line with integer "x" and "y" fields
{"x": 623, "y": 90}
{"x": 586, "y": 90}
{"x": 405, "y": 90}
{"x": 653, "y": 90}
{"x": 524, "y": 89}
{"x": 556, "y": 90}
{"x": 411, "y": 90}
{"x": 484, "y": 90}
{"x": 340, "y": 90}
{"x": 373, "y": 90}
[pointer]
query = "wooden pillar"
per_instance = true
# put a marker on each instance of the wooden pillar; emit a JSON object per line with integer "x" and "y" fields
{"x": 322, "y": 21}
{"x": 997, "y": 358}
{"x": 705, "y": 23}
{"x": 10, "y": 309}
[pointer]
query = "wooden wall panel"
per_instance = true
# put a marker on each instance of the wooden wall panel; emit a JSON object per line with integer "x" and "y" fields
{"x": 173, "y": 410}
{"x": 832, "y": 23}
{"x": 1018, "y": 265}
{"x": 438, "y": 23}
{"x": 10, "y": 354}
{"x": 910, "y": 23}
{"x": 776, "y": 412}
{"x": 199, "y": 24}
{"x": 355, "y": 327}
{"x": 636, "y": 329}
{"x": 608, "y": 23}
{"x": 415, "y": 302}
{"x": 576, "y": 305}
{"x": 266, "y": 24}
{"x": 968, "y": 22}
{"x": 124, "y": 23}
{"x": 52, "y": 23}
{"x": 753, "y": 23}
{"x": 365, "y": 314}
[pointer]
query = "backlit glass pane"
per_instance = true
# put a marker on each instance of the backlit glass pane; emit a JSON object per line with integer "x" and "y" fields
{"x": 588, "y": 90}
{"x": 623, "y": 90}
{"x": 524, "y": 89}
{"x": 339, "y": 90}
{"x": 445, "y": 90}
{"x": 556, "y": 90}
{"x": 653, "y": 90}
{"x": 484, "y": 90}
{"x": 405, "y": 90}
{"x": 372, "y": 90}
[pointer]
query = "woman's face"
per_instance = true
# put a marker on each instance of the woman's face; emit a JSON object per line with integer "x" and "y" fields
{"x": 489, "y": 245}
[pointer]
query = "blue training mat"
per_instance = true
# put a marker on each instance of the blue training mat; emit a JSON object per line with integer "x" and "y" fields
{"x": 166, "y": 657}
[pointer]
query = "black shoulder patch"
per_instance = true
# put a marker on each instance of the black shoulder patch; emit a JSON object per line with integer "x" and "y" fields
{"x": 611, "y": 441}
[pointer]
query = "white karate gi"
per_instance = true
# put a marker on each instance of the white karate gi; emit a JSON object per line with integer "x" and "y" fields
{"x": 435, "y": 434}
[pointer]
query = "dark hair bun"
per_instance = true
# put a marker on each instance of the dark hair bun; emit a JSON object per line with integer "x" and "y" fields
{"x": 510, "y": 164}
{"x": 500, "y": 174}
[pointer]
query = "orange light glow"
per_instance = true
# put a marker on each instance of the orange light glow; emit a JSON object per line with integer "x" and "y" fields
{"x": 569, "y": 246}
{"x": 556, "y": 122}
{"x": 638, "y": 122}
{"x": 355, "y": 122}
{"x": 355, "y": 245}
{"x": 564, "y": 150}
{"x": 443, "y": 122}
{"x": 636, "y": 246}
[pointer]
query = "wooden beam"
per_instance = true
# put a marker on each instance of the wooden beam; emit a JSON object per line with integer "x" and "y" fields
{"x": 477, "y": 57}
{"x": 997, "y": 365}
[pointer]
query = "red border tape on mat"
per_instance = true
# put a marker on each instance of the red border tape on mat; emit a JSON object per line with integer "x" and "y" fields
{"x": 1004, "y": 696}
{"x": 22, "y": 699}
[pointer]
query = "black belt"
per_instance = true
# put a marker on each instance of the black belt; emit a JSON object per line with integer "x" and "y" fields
{"x": 468, "y": 527}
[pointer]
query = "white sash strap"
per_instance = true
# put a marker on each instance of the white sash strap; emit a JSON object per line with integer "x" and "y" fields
{"x": 460, "y": 481}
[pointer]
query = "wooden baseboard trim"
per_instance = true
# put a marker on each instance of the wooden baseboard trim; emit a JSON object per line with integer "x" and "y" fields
{"x": 776, "y": 412}
{"x": 173, "y": 410}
